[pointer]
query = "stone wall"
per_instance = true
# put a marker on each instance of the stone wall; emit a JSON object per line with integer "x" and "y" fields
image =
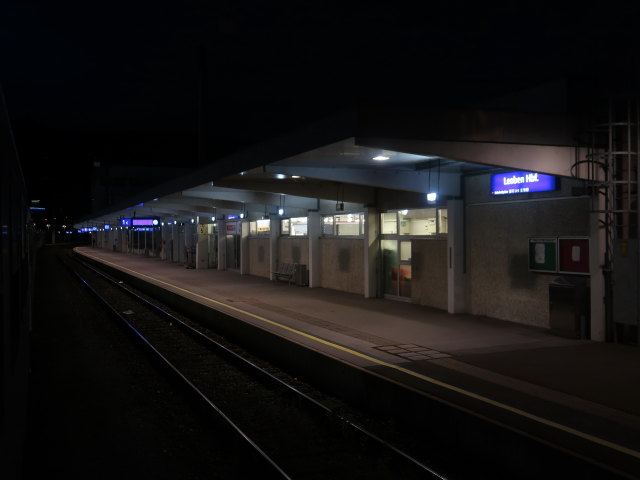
{"x": 342, "y": 265}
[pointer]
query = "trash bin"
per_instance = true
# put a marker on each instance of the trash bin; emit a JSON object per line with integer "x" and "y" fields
{"x": 569, "y": 307}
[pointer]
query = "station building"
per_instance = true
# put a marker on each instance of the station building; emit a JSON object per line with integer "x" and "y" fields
{"x": 520, "y": 216}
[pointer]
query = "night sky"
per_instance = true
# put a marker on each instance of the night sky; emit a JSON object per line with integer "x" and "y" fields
{"x": 119, "y": 82}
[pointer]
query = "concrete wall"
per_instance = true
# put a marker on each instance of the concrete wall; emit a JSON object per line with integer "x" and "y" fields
{"x": 293, "y": 250}
{"x": 429, "y": 272}
{"x": 500, "y": 284}
{"x": 342, "y": 265}
{"x": 259, "y": 257}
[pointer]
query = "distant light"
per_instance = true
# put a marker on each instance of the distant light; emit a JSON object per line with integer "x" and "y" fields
{"x": 213, "y": 218}
{"x": 404, "y": 212}
{"x": 155, "y": 199}
{"x": 381, "y": 158}
{"x": 155, "y": 221}
{"x": 162, "y": 224}
{"x": 296, "y": 176}
{"x": 243, "y": 173}
{"x": 432, "y": 196}
{"x": 36, "y": 208}
{"x": 192, "y": 220}
{"x": 242, "y": 215}
{"x": 280, "y": 176}
{"x": 281, "y": 211}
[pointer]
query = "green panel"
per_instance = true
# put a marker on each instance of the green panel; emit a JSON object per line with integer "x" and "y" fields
{"x": 543, "y": 254}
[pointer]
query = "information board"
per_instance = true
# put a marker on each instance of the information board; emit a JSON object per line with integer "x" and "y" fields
{"x": 573, "y": 253}
{"x": 543, "y": 254}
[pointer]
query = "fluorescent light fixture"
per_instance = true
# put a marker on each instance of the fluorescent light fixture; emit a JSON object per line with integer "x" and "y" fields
{"x": 381, "y": 158}
{"x": 432, "y": 196}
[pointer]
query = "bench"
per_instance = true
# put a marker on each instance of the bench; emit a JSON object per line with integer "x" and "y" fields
{"x": 286, "y": 271}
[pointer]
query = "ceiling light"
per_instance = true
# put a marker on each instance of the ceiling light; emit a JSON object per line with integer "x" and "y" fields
{"x": 381, "y": 158}
{"x": 432, "y": 196}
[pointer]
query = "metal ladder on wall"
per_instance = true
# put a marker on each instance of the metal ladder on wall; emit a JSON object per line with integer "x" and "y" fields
{"x": 611, "y": 168}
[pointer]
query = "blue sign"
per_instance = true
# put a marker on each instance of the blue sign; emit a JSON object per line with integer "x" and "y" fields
{"x": 125, "y": 222}
{"x": 107, "y": 226}
{"x": 521, "y": 182}
{"x": 232, "y": 217}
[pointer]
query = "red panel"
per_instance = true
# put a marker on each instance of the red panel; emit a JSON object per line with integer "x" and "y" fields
{"x": 573, "y": 255}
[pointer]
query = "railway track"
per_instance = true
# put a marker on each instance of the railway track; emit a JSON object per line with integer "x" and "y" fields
{"x": 289, "y": 432}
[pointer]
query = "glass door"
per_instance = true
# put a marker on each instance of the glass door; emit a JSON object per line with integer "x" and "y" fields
{"x": 396, "y": 267}
{"x": 389, "y": 266}
{"x": 233, "y": 246}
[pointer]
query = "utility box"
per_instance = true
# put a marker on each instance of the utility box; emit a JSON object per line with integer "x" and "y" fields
{"x": 301, "y": 275}
{"x": 570, "y": 307}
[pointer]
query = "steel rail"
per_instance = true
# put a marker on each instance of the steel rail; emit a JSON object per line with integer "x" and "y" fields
{"x": 265, "y": 374}
{"x": 177, "y": 372}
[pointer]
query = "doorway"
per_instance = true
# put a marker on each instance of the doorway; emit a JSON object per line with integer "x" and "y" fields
{"x": 396, "y": 268}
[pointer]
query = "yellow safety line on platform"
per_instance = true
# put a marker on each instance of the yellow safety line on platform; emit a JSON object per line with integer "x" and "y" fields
{"x": 434, "y": 381}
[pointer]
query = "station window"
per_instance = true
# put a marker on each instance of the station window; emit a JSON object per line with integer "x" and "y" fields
{"x": 389, "y": 223}
{"x": 348, "y": 224}
{"x": 285, "y": 226}
{"x": 299, "y": 226}
{"x": 419, "y": 222}
{"x": 295, "y": 227}
{"x": 260, "y": 227}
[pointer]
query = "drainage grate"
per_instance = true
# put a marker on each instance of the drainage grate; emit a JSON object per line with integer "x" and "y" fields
{"x": 412, "y": 352}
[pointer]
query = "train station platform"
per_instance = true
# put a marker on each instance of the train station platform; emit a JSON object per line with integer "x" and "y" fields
{"x": 579, "y": 396}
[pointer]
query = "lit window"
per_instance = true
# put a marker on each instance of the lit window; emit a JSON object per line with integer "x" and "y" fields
{"x": 260, "y": 227}
{"x": 389, "y": 223}
{"x": 348, "y": 224}
{"x": 419, "y": 222}
{"x": 284, "y": 226}
{"x": 299, "y": 226}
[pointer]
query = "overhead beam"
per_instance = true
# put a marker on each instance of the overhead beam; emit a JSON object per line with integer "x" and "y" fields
{"x": 552, "y": 160}
{"x": 408, "y": 180}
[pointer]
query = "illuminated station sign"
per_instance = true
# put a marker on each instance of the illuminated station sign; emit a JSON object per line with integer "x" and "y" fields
{"x": 144, "y": 222}
{"x": 139, "y": 222}
{"x": 521, "y": 182}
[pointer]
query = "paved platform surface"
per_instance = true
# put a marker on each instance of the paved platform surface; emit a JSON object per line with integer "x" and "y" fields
{"x": 578, "y": 394}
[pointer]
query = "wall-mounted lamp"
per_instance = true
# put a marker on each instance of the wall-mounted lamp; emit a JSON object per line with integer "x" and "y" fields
{"x": 281, "y": 208}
